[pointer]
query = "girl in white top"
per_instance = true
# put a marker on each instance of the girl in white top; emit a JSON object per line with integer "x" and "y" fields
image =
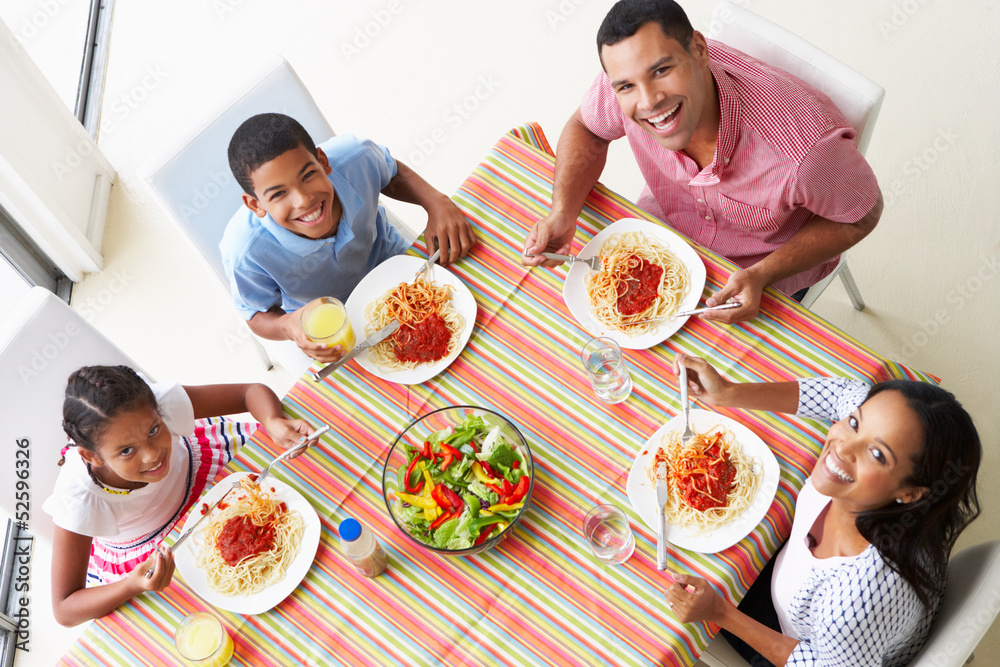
{"x": 141, "y": 456}
{"x": 862, "y": 575}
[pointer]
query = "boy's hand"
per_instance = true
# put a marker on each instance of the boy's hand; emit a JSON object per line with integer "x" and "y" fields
{"x": 321, "y": 353}
{"x": 287, "y": 433}
{"x": 449, "y": 230}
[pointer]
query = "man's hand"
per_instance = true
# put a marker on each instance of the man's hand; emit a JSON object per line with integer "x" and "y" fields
{"x": 553, "y": 233}
{"x": 743, "y": 286}
{"x": 449, "y": 230}
{"x": 322, "y": 353}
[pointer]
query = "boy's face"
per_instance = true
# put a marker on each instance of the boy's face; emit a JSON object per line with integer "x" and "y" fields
{"x": 294, "y": 189}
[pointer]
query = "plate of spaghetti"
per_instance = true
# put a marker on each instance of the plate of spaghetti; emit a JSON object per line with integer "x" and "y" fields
{"x": 254, "y": 549}
{"x": 648, "y": 273}
{"x": 436, "y": 312}
{"x": 720, "y": 484}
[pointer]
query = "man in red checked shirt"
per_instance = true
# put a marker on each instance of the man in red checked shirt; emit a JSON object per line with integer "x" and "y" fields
{"x": 737, "y": 155}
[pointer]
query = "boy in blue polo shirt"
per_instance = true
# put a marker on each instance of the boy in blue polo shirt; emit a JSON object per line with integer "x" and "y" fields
{"x": 313, "y": 226}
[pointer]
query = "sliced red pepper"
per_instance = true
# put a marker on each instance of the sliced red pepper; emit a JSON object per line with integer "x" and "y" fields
{"x": 441, "y": 519}
{"x": 427, "y": 452}
{"x": 516, "y": 464}
{"x": 439, "y": 496}
{"x": 487, "y": 469}
{"x": 507, "y": 487}
{"x": 496, "y": 489}
{"x": 409, "y": 472}
{"x": 519, "y": 491}
{"x": 484, "y": 534}
{"x": 454, "y": 500}
{"x": 448, "y": 449}
{"x": 448, "y": 458}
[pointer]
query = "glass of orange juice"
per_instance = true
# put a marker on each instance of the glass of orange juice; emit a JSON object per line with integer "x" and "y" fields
{"x": 202, "y": 640}
{"x": 325, "y": 321}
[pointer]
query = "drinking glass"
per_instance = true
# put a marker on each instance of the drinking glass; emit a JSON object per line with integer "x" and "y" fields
{"x": 202, "y": 640}
{"x": 605, "y": 365}
{"x": 609, "y": 535}
{"x": 325, "y": 321}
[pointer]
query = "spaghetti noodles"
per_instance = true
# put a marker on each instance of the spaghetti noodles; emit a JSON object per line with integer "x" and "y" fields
{"x": 711, "y": 481}
{"x": 640, "y": 283}
{"x": 250, "y": 544}
{"x": 429, "y": 325}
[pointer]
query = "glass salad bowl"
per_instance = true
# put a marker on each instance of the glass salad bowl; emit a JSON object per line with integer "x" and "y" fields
{"x": 457, "y": 480}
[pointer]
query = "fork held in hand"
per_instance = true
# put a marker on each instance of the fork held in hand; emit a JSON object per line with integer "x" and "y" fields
{"x": 593, "y": 262}
{"x": 686, "y": 407}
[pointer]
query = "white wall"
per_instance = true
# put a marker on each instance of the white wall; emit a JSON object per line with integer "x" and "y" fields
{"x": 929, "y": 272}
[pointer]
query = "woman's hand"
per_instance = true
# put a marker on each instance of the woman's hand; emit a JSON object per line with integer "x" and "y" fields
{"x": 704, "y": 382}
{"x": 163, "y": 560}
{"x": 692, "y": 599}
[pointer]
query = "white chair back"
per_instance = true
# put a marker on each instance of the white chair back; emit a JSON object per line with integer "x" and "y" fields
{"x": 858, "y": 97}
{"x": 42, "y": 341}
{"x": 971, "y": 602}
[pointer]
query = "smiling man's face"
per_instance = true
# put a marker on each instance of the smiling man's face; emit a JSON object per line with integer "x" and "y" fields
{"x": 668, "y": 91}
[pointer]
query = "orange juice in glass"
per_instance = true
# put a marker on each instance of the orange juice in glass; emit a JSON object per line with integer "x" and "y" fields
{"x": 202, "y": 640}
{"x": 325, "y": 321}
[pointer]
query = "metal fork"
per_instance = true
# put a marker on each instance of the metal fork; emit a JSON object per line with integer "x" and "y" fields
{"x": 686, "y": 407}
{"x": 593, "y": 262}
{"x": 303, "y": 443}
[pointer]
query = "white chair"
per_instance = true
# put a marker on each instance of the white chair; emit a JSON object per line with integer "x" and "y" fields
{"x": 192, "y": 181}
{"x": 971, "y": 603}
{"x": 857, "y": 97}
{"x": 42, "y": 341}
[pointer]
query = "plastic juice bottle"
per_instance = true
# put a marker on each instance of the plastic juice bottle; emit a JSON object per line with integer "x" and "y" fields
{"x": 361, "y": 548}
{"x": 326, "y": 322}
{"x": 203, "y": 641}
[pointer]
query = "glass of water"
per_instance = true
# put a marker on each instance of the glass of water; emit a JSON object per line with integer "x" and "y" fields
{"x": 605, "y": 365}
{"x": 609, "y": 535}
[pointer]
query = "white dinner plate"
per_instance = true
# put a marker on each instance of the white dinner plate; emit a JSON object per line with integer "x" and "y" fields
{"x": 186, "y": 559}
{"x": 578, "y": 302}
{"x": 385, "y": 276}
{"x": 642, "y": 494}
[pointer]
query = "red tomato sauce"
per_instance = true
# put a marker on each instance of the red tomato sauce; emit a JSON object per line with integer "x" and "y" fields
{"x": 422, "y": 342}
{"x": 640, "y": 288}
{"x": 240, "y": 539}
{"x": 708, "y": 489}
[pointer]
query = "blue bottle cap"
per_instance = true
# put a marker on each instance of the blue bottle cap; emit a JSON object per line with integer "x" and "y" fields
{"x": 350, "y": 530}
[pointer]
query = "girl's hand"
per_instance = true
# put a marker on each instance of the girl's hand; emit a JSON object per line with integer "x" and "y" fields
{"x": 692, "y": 599}
{"x": 287, "y": 433}
{"x": 704, "y": 382}
{"x": 163, "y": 559}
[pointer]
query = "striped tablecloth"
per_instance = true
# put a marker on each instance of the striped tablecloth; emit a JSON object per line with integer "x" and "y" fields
{"x": 540, "y": 597}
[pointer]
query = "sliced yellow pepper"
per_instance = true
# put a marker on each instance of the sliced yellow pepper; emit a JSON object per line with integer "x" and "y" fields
{"x": 481, "y": 474}
{"x": 485, "y": 513}
{"x": 503, "y": 507}
{"x": 419, "y": 501}
{"x": 430, "y": 483}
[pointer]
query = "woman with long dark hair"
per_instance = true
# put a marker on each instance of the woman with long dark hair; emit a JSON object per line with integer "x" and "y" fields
{"x": 862, "y": 575}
